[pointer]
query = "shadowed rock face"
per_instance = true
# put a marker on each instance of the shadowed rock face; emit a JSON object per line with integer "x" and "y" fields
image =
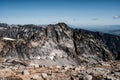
{"x": 56, "y": 45}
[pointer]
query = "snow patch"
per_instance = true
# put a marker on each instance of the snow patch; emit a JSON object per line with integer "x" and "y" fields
{"x": 9, "y": 39}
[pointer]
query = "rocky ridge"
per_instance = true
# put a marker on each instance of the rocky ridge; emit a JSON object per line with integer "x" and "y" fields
{"x": 56, "y": 45}
{"x": 57, "y": 52}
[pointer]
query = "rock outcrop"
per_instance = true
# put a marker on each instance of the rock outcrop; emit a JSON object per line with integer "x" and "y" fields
{"x": 98, "y": 72}
{"x": 55, "y": 45}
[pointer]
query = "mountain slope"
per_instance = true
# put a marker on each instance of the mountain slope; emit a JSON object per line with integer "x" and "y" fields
{"x": 56, "y": 45}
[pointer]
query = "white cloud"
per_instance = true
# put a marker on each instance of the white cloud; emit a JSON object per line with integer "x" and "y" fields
{"x": 116, "y": 17}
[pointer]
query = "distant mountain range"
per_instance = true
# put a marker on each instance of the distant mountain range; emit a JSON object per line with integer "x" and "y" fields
{"x": 111, "y": 29}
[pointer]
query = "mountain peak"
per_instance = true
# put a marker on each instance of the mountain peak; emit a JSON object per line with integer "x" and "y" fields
{"x": 57, "y": 45}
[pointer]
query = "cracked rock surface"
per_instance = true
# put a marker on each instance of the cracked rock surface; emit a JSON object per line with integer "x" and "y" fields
{"x": 58, "y": 45}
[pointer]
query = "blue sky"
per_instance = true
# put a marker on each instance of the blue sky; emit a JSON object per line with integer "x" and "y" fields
{"x": 73, "y": 12}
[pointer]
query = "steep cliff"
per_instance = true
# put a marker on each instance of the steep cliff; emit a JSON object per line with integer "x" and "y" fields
{"x": 56, "y": 45}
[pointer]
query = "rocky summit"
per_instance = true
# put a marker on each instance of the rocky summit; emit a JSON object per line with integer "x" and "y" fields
{"x": 33, "y": 46}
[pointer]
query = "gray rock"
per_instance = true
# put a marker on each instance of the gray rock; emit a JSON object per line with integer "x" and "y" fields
{"x": 98, "y": 71}
{"x": 117, "y": 73}
{"x": 44, "y": 75}
{"x": 88, "y": 77}
{"x": 111, "y": 78}
{"x": 36, "y": 65}
{"x": 37, "y": 77}
{"x": 26, "y": 72}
